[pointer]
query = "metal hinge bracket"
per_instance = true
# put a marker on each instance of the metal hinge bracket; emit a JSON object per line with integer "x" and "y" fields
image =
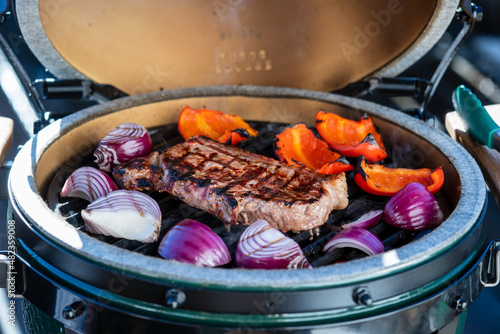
{"x": 467, "y": 13}
{"x": 490, "y": 266}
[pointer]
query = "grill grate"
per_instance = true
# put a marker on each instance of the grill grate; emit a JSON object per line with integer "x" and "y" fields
{"x": 174, "y": 210}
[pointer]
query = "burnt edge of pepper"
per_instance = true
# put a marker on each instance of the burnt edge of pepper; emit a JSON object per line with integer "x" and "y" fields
{"x": 241, "y": 131}
{"x": 370, "y": 139}
{"x": 358, "y": 170}
{"x": 342, "y": 159}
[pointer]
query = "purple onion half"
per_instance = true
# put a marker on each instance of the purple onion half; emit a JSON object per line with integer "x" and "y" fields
{"x": 88, "y": 183}
{"x": 366, "y": 221}
{"x": 264, "y": 247}
{"x": 125, "y": 142}
{"x": 358, "y": 238}
{"x": 125, "y": 214}
{"x": 192, "y": 242}
{"x": 413, "y": 208}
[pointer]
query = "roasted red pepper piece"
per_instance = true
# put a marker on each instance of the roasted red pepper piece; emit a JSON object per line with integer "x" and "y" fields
{"x": 380, "y": 180}
{"x": 351, "y": 138}
{"x": 298, "y": 145}
{"x": 225, "y": 128}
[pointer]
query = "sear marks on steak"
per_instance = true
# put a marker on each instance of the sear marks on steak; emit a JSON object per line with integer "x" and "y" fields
{"x": 238, "y": 186}
{"x": 139, "y": 174}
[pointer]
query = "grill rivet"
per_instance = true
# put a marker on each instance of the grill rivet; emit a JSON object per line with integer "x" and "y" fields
{"x": 175, "y": 297}
{"x": 460, "y": 304}
{"x": 74, "y": 310}
{"x": 362, "y": 296}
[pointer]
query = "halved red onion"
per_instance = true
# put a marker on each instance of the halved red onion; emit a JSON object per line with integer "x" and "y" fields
{"x": 88, "y": 183}
{"x": 366, "y": 221}
{"x": 125, "y": 142}
{"x": 413, "y": 208}
{"x": 264, "y": 247}
{"x": 355, "y": 237}
{"x": 193, "y": 242}
{"x": 125, "y": 214}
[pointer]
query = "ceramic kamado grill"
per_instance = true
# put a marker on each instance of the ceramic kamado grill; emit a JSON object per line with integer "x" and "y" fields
{"x": 271, "y": 63}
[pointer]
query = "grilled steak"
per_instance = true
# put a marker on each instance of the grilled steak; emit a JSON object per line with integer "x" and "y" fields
{"x": 238, "y": 186}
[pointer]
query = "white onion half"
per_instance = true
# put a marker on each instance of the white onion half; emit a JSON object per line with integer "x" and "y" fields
{"x": 125, "y": 214}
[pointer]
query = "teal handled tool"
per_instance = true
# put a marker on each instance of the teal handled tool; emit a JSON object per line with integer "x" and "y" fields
{"x": 477, "y": 120}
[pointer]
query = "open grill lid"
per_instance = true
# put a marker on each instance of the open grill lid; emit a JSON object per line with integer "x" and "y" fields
{"x": 319, "y": 45}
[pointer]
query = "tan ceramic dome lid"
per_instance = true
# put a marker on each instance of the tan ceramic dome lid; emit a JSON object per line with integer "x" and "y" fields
{"x": 142, "y": 46}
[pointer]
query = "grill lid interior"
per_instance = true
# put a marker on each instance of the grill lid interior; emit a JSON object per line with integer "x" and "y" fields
{"x": 319, "y": 45}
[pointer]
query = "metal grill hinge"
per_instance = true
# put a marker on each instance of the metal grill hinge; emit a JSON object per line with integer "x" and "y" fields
{"x": 490, "y": 266}
{"x": 467, "y": 13}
